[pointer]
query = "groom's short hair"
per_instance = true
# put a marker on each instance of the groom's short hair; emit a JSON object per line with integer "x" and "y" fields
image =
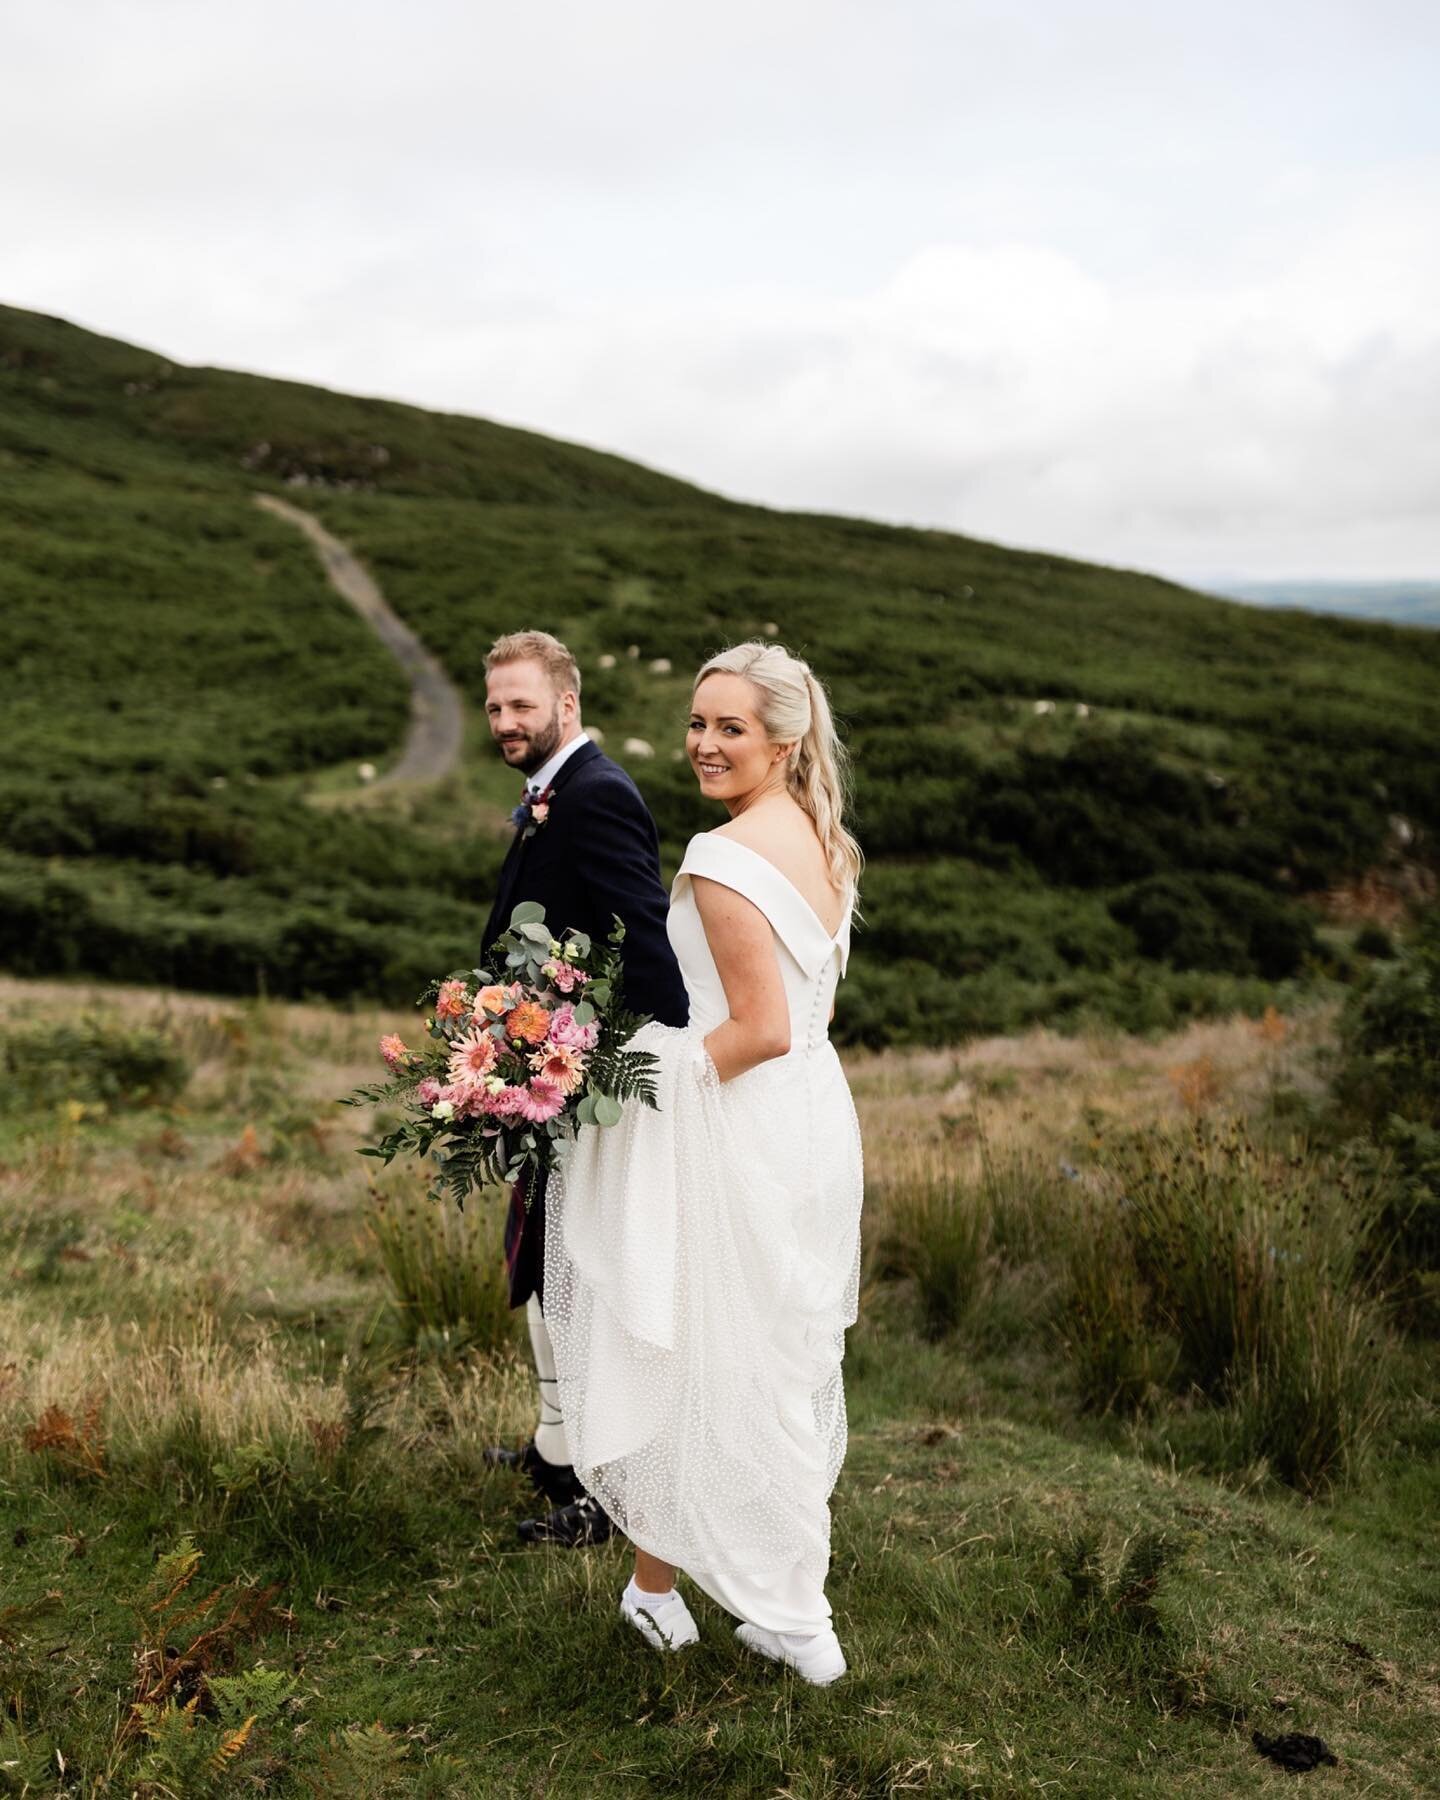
{"x": 537, "y": 646}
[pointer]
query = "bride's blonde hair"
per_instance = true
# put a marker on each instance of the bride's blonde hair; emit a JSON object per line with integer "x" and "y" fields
{"x": 795, "y": 709}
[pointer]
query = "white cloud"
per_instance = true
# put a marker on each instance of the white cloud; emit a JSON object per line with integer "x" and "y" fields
{"x": 1110, "y": 280}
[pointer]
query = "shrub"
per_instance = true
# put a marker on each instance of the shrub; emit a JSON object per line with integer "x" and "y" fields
{"x": 94, "y": 1060}
{"x": 1388, "y": 1087}
{"x": 1218, "y": 922}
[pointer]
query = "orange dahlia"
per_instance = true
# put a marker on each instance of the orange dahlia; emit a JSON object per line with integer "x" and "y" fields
{"x": 529, "y": 1023}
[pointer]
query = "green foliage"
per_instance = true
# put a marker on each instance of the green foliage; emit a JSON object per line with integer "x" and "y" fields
{"x": 1120, "y": 1353}
{"x": 1387, "y": 1086}
{"x": 91, "y": 1060}
{"x": 1138, "y": 853}
{"x": 1119, "y": 1600}
{"x": 367, "y": 1762}
{"x": 190, "y": 1755}
{"x": 27, "y": 1763}
{"x": 1219, "y": 922}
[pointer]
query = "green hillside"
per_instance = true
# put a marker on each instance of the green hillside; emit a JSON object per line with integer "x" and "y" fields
{"x": 180, "y": 679}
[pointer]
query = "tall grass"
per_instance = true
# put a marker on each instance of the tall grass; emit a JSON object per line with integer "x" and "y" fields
{"x": 446, "y": 1269}
{"x": 1216, "y": 1266}
{"x": 967, "y": 1233}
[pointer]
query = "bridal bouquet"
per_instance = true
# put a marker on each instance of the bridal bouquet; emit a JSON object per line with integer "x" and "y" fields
{"x": 518, "y": 1059}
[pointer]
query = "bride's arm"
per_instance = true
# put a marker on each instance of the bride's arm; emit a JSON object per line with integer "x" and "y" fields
{"x": 743, "y": 945}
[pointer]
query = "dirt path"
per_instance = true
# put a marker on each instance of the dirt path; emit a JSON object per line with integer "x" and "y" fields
{"x": 437, "y": 714}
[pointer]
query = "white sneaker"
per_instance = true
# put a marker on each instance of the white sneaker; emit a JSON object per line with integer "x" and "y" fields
{"x": 663, "y": 1620}
{"x": 815, "y": 1655}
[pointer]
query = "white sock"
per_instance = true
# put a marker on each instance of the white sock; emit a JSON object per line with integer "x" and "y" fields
{"x": 639, "y": 1593}
{"x": 550, "y": 1439}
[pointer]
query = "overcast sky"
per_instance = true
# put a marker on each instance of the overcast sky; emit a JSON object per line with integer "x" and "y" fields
{"x": 1149, "y": 283}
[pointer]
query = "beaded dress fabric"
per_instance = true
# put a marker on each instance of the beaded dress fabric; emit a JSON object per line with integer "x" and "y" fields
{"x": 702, "y": 1263}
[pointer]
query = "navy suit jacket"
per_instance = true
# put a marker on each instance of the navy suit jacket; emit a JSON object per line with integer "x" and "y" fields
{"x": 598, "y": 854}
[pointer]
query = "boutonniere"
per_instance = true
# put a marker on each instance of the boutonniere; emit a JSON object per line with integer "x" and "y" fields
{"x": 532, "y": 812}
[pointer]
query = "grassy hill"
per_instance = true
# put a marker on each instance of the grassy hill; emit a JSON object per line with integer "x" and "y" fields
{"x": 210, "y": 1326}
{"x": 1085, "y": 793}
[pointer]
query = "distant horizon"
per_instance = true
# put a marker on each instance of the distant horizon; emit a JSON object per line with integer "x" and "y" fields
{"x": 1077, "y": 278}
{"x": 1222, "y": 585}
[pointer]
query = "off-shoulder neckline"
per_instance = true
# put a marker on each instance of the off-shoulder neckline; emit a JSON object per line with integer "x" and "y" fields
{"x": 833, "y": 937}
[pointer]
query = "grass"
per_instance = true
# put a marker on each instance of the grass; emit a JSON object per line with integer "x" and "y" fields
{"x": 212, "y": 1384}
{"x": 1215, "y": 798}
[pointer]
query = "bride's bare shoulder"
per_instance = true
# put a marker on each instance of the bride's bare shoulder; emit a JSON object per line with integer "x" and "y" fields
{"x": 782, "y": 833}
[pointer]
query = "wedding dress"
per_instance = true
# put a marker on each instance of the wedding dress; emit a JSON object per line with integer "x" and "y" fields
{"x": 702, "y": 1264}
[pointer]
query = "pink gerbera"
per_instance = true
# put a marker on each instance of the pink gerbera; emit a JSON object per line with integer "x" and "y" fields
{"x": 541, "y": 1100}
{"x": 560, "y": 1064}
{"x": 473, "y": 1056}
{"x": 451, "y": 1002}
{"x": 392, "y": 1048}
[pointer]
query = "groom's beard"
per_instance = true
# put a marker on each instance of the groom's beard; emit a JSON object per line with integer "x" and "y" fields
{"x": 540, "y": 745}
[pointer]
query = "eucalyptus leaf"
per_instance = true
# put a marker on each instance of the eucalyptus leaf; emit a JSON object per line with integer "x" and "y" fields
{"x": 584, "y": 1013}
{"x": 607, "y": 1110}
{"x": 528, "y": 912}
{"x": 599, "y": 992}
{"x": 537, "y": 933}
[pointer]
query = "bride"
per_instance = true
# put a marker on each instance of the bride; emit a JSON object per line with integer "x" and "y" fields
{"x": 702, "y": 1259}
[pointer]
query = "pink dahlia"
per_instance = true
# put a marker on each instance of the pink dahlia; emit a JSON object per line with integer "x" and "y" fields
{"x": 472, "y": 1057}
{"x": 452, "y": 1002}
{"x": 541, "y": 1100}
{"x": 560, "y": 1064}
{"x": 509, "y": 1103}
{"x": 392, "y": 1048}
{"x": 467, "y": 1097}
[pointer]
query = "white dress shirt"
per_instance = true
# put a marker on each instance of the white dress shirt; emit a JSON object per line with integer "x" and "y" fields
{"x": 549, "y": 769}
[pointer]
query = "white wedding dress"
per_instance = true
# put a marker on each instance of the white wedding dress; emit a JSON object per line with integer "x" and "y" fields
{"x": 701, "y": 1266}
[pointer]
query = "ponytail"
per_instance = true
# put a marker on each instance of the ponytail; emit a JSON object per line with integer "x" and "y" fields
{"x": 795, "y": 709}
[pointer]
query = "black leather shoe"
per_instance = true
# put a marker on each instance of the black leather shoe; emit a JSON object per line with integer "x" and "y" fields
{"x": 583, "y": 1522}
{"x": 556, "y": 1481}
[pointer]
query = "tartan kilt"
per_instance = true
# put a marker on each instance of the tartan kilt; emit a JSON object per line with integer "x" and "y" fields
{"x": 525, "y": 1243}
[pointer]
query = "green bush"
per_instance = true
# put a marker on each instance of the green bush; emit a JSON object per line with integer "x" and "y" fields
{"x": 1217, "y": 922}
{"x": 1026, "y": 861}
{"x": 92, "y": 1060}
{"x": 1387, "y": 1087}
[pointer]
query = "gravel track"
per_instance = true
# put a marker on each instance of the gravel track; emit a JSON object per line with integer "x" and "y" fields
{"x": 432, "y": 746}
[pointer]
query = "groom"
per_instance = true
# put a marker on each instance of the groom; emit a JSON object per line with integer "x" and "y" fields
{"x": 586, "y": 848}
